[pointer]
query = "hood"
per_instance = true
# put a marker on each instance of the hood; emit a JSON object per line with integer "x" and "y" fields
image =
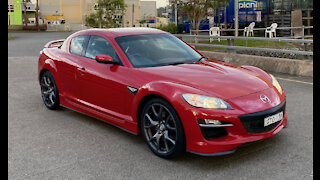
{"x": 220, "y": 79}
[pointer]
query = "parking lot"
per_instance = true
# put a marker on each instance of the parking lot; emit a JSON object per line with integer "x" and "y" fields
{"x": 63, "y": 144}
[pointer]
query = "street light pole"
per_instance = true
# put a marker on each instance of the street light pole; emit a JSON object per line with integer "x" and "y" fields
{"x": 37, "y": 15}
{"x": 56, "y": 23}
{"x": 236, "y": 18}
{"x": 132, "y": 15}
{"x": 176, "y": 14}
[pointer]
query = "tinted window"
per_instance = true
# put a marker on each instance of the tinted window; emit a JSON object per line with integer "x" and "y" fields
{"x": 99, "y": 45}
{"x": 149, "y": 50}
{"x": 76, "y": 45}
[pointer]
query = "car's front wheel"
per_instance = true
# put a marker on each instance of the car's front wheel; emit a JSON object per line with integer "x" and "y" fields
{"x": 162, "y": 129}
{"x": 49, "y": 91}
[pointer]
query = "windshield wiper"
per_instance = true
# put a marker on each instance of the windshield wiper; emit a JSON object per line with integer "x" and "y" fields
{"x": 176, "y": 63}
{"x": 202, "y": 57}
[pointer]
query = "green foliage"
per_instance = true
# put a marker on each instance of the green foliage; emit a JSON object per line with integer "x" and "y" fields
{"x": 197, "y": 9}
{"x": 180, "y": 28}
{"x": 172, "y": 28}
{"x": 142, "y": 21}
{"x": 104, "y": 16}
{"x": 10, "y": 37}
{"x": 15, "y": 27}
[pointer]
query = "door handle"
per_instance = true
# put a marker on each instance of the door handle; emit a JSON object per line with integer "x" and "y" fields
{"x": 81, "y": 70}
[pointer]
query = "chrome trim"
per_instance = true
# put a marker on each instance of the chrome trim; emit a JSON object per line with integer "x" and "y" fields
{"x": 215, "y": 125}
{"x": 132, "y": 90}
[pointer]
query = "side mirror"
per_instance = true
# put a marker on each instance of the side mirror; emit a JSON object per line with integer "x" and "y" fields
{"x": 105, "y": 59}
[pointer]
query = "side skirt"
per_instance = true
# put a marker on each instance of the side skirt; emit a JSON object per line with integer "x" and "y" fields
{"x": 128, "y": 126}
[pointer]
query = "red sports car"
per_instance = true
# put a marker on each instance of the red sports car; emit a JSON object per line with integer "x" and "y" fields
{"x": 149, "y": 82}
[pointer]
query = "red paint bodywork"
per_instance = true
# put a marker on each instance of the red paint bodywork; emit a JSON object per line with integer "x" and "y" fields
{"x": 100, "y": 90}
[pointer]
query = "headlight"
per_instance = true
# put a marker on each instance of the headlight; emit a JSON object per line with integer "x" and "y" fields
{"x": 276, "y": 84}
{"x": 205, "y": 101}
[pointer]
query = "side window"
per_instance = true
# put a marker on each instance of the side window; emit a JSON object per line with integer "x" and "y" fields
{"x": 99, "y": 45}
{"x": 76, "y": 45}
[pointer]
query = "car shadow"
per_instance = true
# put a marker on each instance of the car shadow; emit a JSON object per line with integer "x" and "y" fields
{"x": 244, "y": 154}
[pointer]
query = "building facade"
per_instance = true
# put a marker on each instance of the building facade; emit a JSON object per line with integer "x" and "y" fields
{"x": 14, "y": 12}
{"x": 75, "y": 11}
{"x": 148, "y": 11}
{"x": 132, "y": 15}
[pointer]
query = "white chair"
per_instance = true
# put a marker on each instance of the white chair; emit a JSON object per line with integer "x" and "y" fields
{"x": 271, "y": 30}
{"x": 249, "y": 30}
{"x": 214, "y": 31}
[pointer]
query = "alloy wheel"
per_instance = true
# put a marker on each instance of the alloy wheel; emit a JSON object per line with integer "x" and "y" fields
{"x": 48, "y": 90}
{"x": 160, "y": 128}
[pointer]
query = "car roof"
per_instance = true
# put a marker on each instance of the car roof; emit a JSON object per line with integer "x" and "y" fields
{"x": 116, "y": 32}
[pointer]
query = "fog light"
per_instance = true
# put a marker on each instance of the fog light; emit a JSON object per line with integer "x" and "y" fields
{"x": 210, "y": 121}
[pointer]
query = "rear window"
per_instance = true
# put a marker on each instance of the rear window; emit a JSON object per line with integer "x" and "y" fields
{"x": 76, "y": 45}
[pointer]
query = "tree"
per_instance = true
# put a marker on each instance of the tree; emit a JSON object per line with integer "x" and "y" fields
{"x": 37, "y": 14}
{"x": 107, "y": 13}
{"x": 160, "y": 10}
{"x": 24, "y": 2}
{"x": 143, "y": 20}
{"x": 197, "y": 9}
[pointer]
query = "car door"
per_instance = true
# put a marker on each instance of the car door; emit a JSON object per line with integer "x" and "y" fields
{"x": 70, "y": 67}
{"x": 102, "y": 85}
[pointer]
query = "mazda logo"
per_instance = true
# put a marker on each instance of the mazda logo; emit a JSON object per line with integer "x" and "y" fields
{"x": 264, "y": 98}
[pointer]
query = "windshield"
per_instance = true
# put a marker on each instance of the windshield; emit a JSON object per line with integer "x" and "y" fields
{"x": 150, "y": 50}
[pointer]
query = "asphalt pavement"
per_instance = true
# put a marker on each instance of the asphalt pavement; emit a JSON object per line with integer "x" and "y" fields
{"x": 63, "y": 144}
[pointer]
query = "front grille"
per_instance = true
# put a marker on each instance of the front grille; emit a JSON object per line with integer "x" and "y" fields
{"x": 254, "y": 122}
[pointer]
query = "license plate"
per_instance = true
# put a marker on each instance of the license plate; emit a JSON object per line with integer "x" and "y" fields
{"x": 272, "y": 119}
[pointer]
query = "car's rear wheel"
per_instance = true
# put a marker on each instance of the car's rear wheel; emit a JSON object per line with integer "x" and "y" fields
{"x": 162, "y": 129}
{"x": 49, "y": 91}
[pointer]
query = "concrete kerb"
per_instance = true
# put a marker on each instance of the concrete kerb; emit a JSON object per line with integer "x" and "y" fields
{"x": 270, "y": 64}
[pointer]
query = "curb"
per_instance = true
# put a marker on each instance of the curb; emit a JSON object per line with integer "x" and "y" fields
{"x": 270, "y": 64}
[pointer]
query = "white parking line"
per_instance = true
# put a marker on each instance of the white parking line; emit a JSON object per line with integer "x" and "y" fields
{"x": 295, "y": 81}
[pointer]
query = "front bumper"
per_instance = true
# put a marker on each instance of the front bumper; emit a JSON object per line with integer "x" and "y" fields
{"x": 246, "y": 128}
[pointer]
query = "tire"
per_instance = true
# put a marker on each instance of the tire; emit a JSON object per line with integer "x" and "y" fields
{"x": 49, "y": 91}
{"x": 162, "y": 129}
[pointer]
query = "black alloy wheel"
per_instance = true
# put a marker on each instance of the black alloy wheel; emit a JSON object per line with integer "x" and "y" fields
{"x": 162, "y": 129}
{"x": 49, "y": 91}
